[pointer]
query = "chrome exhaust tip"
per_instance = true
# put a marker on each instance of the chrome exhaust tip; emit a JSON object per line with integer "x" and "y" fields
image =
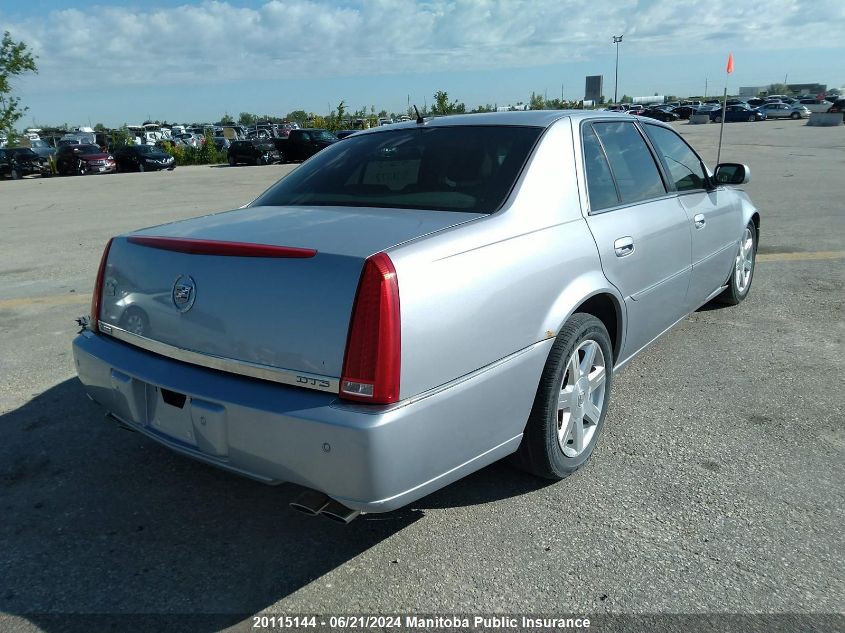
{"x": 338, "y": 512}
{"x": 310, "y": 502}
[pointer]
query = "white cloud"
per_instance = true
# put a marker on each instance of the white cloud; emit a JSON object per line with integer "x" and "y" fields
{"x": 214, "y": 41}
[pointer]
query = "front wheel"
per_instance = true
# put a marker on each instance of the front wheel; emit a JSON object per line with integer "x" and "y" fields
{"x": 141, "y": 167}
{"x": 259, "y": 161}
{"x": 752, "y": 118}
{"x": 718, "y": 119}
{"x": 231, "y": 161}
{"x": 794, "y": 116}
{"x": 571, "y": 401}
{"x": 15, "y": 174}
{"x": 743, "y": 272}
{"x": 81, "y": 168}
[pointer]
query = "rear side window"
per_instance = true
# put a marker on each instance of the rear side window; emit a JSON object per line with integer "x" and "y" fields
{"x": 636, "y": 174}
{"x": 681, "y": 163}
{"x": 449, "y": 168}
{"x": 600, "y": 185}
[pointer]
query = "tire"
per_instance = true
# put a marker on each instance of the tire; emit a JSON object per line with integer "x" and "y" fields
{"x": 752, "y": 118}
{"x": 81, "y": 168}
{"x": 141, "y": 167}
{"x": 281, "y": 158}
{"x": 739, "y": 282}
{"x": 794, "y": 116}
{"x": 259, "y": 161}
{"x": 231, "y": 161}
{"x": 14, "y": 174}
{"x": 549, "y": 447}
{"x": 718, "y": 119}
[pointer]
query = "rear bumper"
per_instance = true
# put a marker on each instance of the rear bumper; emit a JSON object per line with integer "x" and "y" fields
{"x": 373, "y": 459}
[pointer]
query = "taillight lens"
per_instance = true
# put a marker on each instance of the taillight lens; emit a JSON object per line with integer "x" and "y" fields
{"x": 373, "y": 350}
{"x": 97, "y": 298}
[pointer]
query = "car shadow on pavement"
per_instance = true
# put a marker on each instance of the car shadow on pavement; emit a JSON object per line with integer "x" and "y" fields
{"x": 98, "y": 520}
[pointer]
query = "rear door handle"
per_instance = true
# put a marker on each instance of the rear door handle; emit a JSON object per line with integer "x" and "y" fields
{"x": 699, "y": 221}
{"x": 624, "y": 246}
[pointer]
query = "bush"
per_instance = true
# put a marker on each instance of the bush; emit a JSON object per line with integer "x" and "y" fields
{"x": 207, "y": 154}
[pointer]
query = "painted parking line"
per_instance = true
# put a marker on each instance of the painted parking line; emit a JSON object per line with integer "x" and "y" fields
{"x": 800, "y": 257}
{"x": 50, "y": 300}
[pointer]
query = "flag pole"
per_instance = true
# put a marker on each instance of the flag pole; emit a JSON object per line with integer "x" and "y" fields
{"x": 722, "y": 127}
{"x": 728, "y": 70}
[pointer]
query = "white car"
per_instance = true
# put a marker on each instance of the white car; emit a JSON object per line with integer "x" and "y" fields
{"x": 784, "y": 111}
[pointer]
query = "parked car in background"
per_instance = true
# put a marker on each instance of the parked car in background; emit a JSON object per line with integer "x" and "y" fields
{"x": 838, "y": 106}
{"x": 637, "y": 108}
{"x": 660, "y": 114}
{"x": 734, "y": 113}
{"x": 83, "y": 159}
{"x": 755, "y": 102}
{"x": 784, "y": 111}
{"x": 143, "y": 158}
{"x": 275, "y": 344}
{"x": 303, "y": 143}
{"x": 42, "y": 148}
{"x": 344, "y": 133}
{"x": 222, "y": 143}
{"x": 253, "y": 152}
{"x": 816, "y": 105}
{"x": 684, "y": 112}
{"x": 17, "y": 162}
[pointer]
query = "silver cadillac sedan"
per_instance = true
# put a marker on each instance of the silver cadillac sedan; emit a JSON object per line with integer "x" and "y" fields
{"x": 416, "y": 302}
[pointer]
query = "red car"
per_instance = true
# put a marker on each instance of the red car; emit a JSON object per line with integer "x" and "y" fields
{"x": 83, "y": 159}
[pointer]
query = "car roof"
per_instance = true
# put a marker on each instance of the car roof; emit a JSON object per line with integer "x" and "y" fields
{"x": 530, "y": 118}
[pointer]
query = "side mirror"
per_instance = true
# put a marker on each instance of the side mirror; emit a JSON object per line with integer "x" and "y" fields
{"x": 732, "y": 174}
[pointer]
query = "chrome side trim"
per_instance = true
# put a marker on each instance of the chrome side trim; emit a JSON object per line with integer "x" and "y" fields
{"x": 241, "y": 367}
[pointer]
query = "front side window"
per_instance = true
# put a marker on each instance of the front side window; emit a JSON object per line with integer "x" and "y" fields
{"x": 448, "y": 168}
{"x": 682, "y": 164}
{"x": 636, "y": 174}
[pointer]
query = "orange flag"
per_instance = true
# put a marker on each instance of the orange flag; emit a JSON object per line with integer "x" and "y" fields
{"x": 730, "y": 67}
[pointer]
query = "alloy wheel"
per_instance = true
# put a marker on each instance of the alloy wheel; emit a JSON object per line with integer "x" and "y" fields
{"x": 581, "y": 398}
{"x": 744, "y": 262}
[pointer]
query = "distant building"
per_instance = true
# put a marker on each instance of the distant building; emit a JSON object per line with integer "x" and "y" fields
{"x": 648, "y": 99}
{"x": 752, "y": 91}
{"x": 593, "y": 88}
{"x": 807, "y": 89}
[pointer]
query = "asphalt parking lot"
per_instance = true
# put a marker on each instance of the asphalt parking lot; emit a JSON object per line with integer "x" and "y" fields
{"x": 718, "y": 486}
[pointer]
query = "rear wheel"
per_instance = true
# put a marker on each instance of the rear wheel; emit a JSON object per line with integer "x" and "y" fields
{"x": 795, "y": 116}
{"x": 231, "y": 161}
{"x": 718, "y": 119}
{"x": 141, "y": 167}
{"x": 752, "y": 118}
{"x": 743, "y": 273}
{"x": 14, "y": 174}
{"x": 259, "y": 161}
{"x": 571, "y": 401}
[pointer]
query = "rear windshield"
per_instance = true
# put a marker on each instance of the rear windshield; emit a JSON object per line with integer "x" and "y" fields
{"x": 470, "y": 168}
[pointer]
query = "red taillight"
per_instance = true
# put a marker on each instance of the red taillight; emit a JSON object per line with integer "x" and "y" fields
{"x": 97, "y": 298}
{"x": 373, "y": 350}
{"x": 221, "y": 248}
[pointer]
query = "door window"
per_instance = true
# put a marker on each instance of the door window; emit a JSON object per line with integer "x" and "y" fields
{"x": 634, "y": 170}
{"x": 682, "y": 164}
{"x": 600, "y": 185}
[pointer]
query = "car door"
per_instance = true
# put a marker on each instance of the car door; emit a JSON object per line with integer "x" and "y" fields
{"x": 640, "y": 229}
{"x": 713, "y": 214}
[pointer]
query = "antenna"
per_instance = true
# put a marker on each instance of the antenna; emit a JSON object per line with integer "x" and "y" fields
{"x": 420, "y": 119}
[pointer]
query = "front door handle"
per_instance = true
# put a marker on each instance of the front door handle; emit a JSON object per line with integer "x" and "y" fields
{"x": 699, "y": 221}
{"x": 624, "y": 246}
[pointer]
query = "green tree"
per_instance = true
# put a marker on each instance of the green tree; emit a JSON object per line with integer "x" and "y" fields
{"x": 442, "y": 105}
{"x": 99, "y": 127}
{"x": 15, "y": 59}
{"x": 227, "y": 119}
{"x": 626, "y": 99}
{"x": 245, "y": 118}
{"x": 779, "y": 89}
{"x": 299, "y": 116}
{"x": 537, "y": 102}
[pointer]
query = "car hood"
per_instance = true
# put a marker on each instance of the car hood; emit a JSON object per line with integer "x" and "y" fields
{"x": 98, "y": 156}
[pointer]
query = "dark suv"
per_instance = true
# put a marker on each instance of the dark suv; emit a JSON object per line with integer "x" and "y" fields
{"x": 253, "y": 152}
{"x": 17, "y": 162}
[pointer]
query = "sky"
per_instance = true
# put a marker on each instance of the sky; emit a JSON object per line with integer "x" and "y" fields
{"x": 194, "y": 60}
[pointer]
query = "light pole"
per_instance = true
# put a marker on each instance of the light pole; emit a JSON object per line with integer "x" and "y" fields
{"x": 616, "y": 40}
